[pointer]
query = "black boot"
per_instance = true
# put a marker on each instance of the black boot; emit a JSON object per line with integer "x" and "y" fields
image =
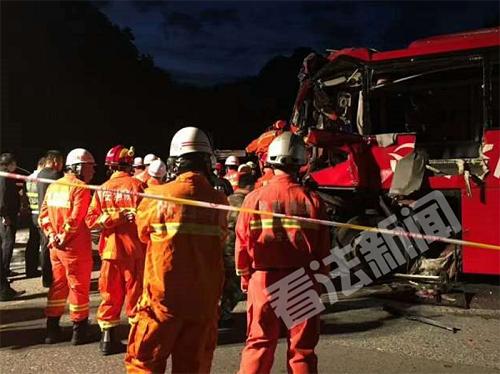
{"x": 110, "y": 342}
{"x": 8, "y": 293}
{"x": 80, "y": 330}
{"x": 54, "y": 333}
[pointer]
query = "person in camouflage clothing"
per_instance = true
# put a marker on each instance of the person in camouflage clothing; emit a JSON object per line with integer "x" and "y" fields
{"x": 232, "y": 292}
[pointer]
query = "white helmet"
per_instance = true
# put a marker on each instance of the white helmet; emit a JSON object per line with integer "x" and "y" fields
{"x": 287, "y": 149}
{"x": 79, "y": 156}
{"x": 157, "y": 169}
{"x": 232, "y": 161}
{"x": 149, "y": 158}
{"x": 137, "y": 162}
{"x": 189, "y": 140}
{"x": 244, "y": 168}
{"x": 252, "y": 165}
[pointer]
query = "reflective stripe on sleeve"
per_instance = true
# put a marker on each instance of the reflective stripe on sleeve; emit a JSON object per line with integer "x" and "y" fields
{"x": 241, "y": 272}
{"x": 102, "y": 219}
{"x": 67, "y": 227}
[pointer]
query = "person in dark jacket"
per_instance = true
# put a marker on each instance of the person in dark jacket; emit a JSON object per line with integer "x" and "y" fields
{"x": 232, "y": 293}
{"x": 32, "y": 254}
{"x": 10, "y": 203}
{"x": 217, "y": 181}
{"x": 54, "y": 163}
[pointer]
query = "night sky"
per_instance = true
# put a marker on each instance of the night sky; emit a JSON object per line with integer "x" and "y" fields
{"x": 214, "y": 42}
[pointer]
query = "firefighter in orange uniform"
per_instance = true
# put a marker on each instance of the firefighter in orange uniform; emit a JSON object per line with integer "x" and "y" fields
{"x": 138, "y": 166}
{"x": 157, "y": 171}
{"x": 62, "y": 220}
{"x": 259, "y": 146}
{"x": 232, "y": 175}
{"x": 184, "y": 273}
{"x": 143, "y": 176}
{"x": 121, "y": 251}
{"x": 268, "y": 249}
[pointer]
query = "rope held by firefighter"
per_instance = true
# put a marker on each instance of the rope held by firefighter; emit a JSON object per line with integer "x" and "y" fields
{"x": 203, "y": 204}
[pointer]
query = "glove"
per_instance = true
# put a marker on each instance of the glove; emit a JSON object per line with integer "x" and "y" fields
{"x": 54, "y": 241}
{"x": 127, "y": 216}
{"x": 130, "y": 216}
{"x": 61, "y": 241}
{"x": 245, "y": 279}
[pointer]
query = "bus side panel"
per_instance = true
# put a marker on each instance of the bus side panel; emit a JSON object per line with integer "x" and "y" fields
{"x": 481, "y": 223}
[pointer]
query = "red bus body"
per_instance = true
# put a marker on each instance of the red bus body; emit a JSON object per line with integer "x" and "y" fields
{"x": 381, "y": 91}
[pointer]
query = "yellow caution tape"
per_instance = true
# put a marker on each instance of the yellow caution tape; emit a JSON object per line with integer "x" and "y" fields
{"x": 204, "y": 204}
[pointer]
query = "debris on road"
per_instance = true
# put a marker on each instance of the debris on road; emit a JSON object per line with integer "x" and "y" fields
{"x": 414, "y": 317}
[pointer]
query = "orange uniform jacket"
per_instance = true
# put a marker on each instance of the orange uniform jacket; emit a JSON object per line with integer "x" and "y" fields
{"x": 119, "y": 239}
{"x": 263, "y": 180}
{"x": 184, "y": 270}
{"x": 261, "y": 144}
{"x": 63, "y": 212}
{"x": 153, "y": 182}
{"x": 265, "y": 243}
{"x": 233, "y": 177}
{"x": 143, "y": 176}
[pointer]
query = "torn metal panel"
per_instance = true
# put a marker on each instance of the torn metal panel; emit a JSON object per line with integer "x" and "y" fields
{"x": 409, "y": 174}
{"x": 446, "y": 263}
{"x": 362, "y": 126}
{"x": 476, "y": 167}
{"x": 385, "y": 140}
{"x": 486, "y": 148}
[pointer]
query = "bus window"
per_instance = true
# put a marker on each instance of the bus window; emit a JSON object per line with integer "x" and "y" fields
{"x": 443, "y": 107}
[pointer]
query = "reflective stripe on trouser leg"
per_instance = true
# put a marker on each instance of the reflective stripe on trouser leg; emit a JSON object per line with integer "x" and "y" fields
{"x": 74, "y": 308}
{"x": 59, "y": 290}
{"x": 55, "y": 307}
{"x": 112, "y": 290}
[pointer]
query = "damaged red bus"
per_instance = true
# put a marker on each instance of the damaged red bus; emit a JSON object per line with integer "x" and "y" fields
{"x": 387, "y": 127}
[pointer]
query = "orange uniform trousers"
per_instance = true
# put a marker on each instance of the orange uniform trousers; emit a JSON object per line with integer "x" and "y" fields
{"x": 71, "y": 279}
{"x": 263, "y": 332}
{"x": 120, "y": 282}
{"x": 191, "y": 344}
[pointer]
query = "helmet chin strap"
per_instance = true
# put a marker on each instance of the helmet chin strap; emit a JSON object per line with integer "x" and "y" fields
{"x": 185, "y": 164}
{"x": 125, "y": 168}
{"x": 76, "y": 170}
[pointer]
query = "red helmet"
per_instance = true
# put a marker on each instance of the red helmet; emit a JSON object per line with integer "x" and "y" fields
{"x": 119, "y": 155}
{"x": 279, "y": 124}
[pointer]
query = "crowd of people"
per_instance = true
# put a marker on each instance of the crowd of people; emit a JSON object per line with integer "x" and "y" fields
{"x": 179, "y": 269}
